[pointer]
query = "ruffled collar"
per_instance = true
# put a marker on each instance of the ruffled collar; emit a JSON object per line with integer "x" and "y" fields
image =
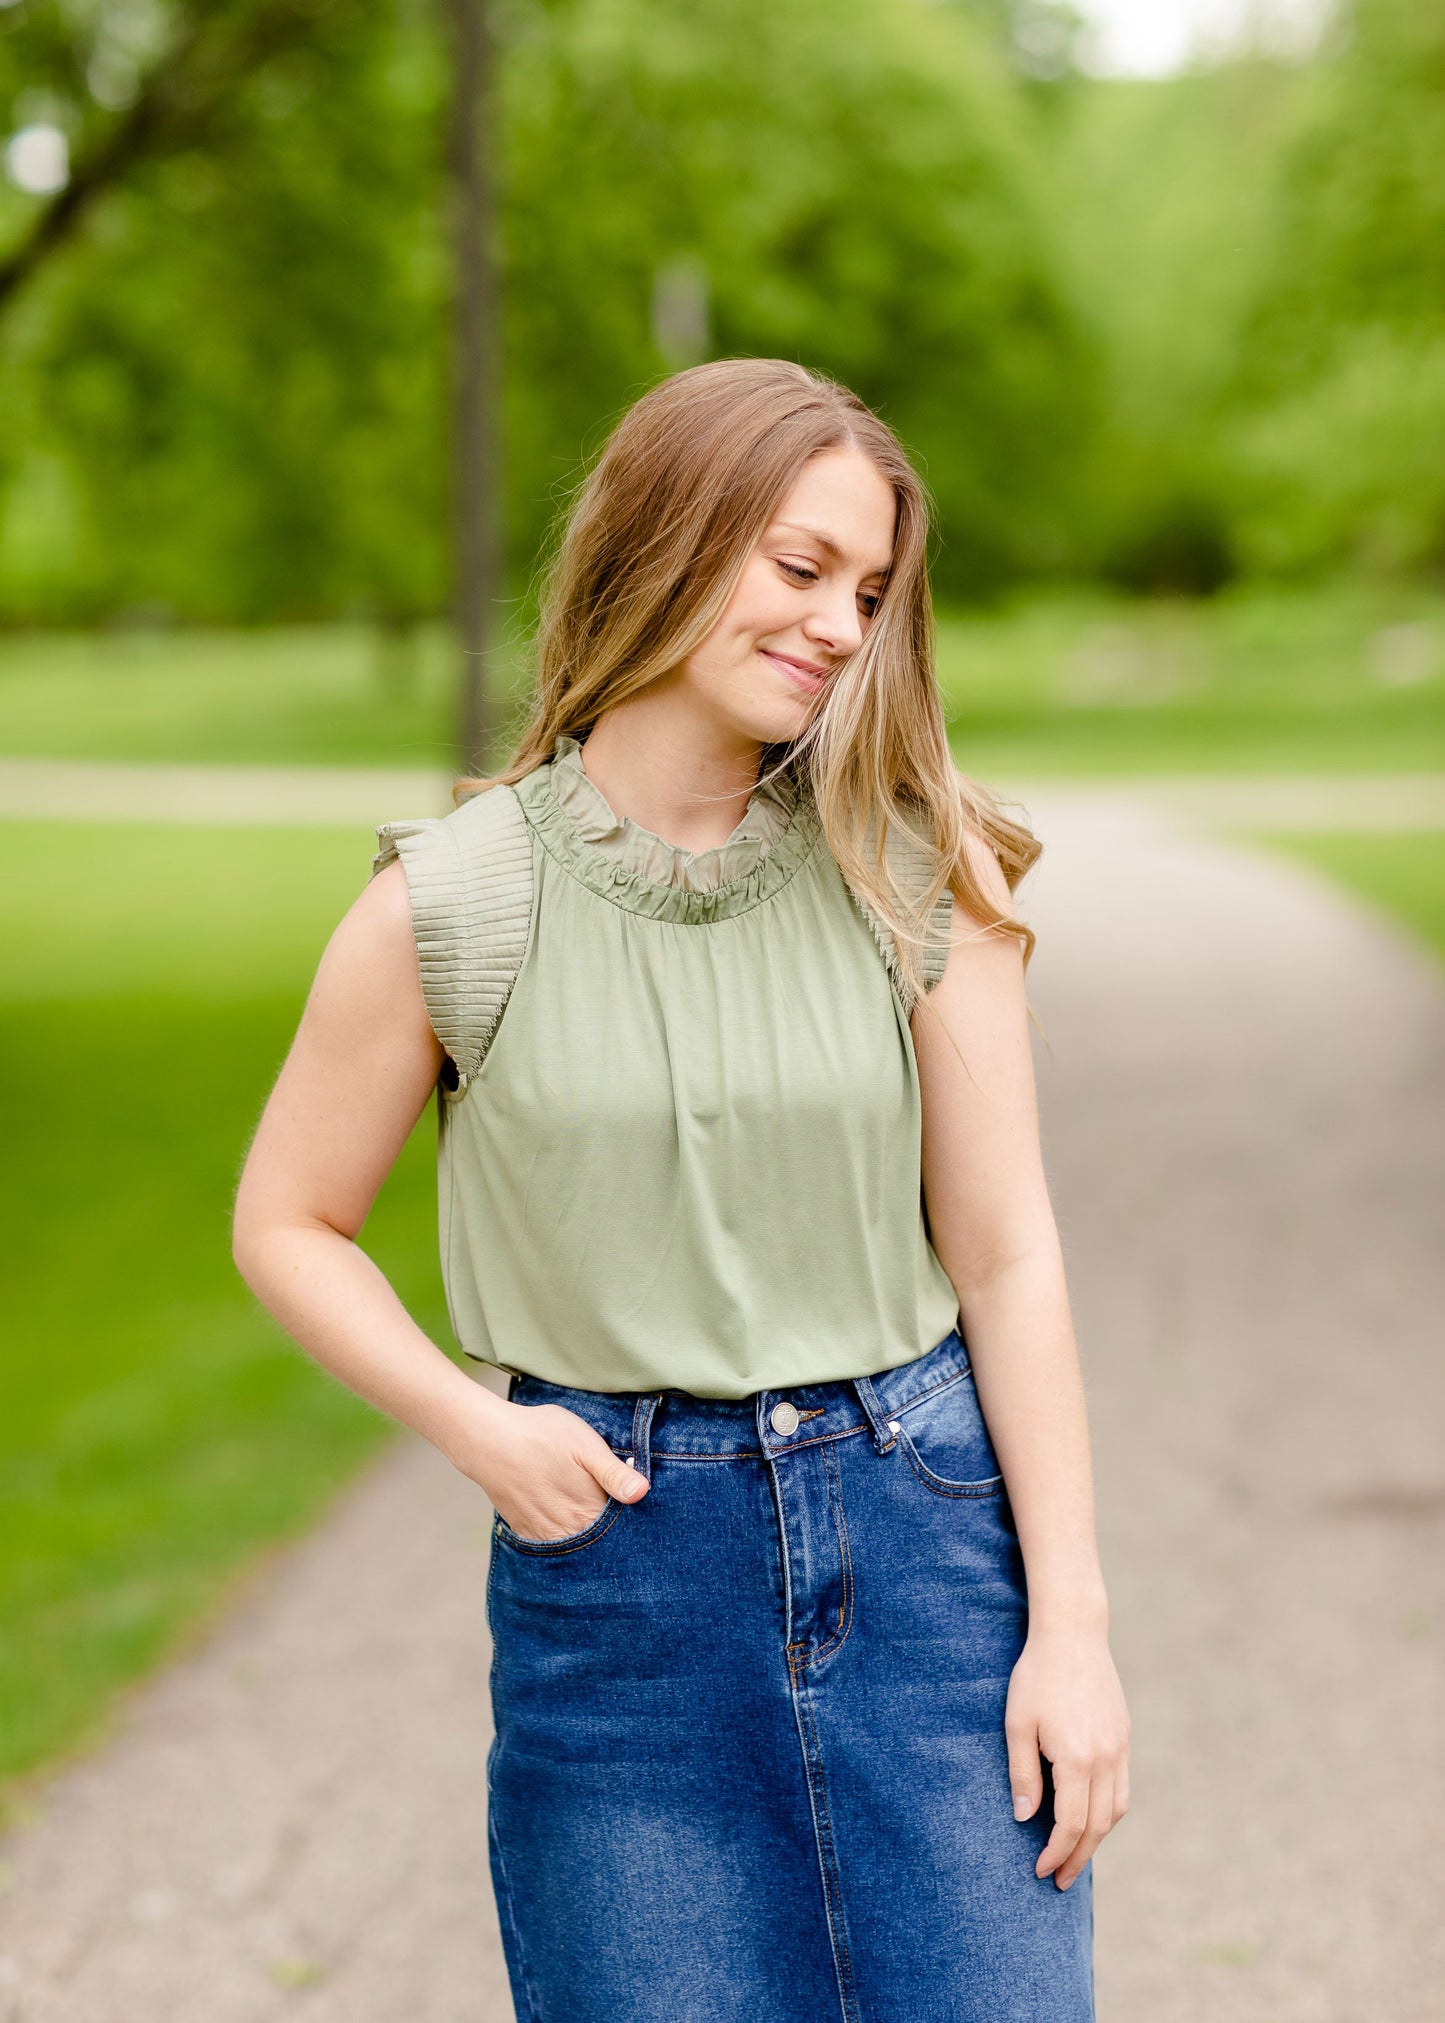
{"x": 769, "y": 812}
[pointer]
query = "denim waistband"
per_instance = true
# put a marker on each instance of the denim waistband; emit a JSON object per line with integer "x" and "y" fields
{"x": 676, "y": 1426}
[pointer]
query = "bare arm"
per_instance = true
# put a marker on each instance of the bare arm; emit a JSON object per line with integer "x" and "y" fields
{"x": 362, "y": 1068}
{"x": 994, "y": 1230}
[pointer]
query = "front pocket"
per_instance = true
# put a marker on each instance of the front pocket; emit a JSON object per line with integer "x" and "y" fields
{"x": 573, "y": 1541}
{"x": 947, "y": 1442}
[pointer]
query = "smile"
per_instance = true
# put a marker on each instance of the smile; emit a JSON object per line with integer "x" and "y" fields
{"x": 801, "y": 673}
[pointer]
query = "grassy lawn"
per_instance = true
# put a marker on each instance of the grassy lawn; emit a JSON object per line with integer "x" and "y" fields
{"x": 1402, "y": 874}
{"x": 303, "y": 695}
{"x": 155, "y": 1428}
{"x": 1338, "y": 678}
{"x": 1332, "y": 679}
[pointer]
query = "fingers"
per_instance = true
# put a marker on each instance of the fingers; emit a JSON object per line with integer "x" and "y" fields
{"x": 1086, "y": 1807}
{"x": 1071, "y": 1817}
{"x": 1099, "y": 1820}
{"x": 1025, "y": 1769}
{"x": 1121, "y": 1791}
{"x": 616, "y": 1478}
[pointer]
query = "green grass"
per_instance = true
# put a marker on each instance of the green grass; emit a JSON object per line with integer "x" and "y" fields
{"x": 1333, "y": 679}
{"x": 1403, "y": 875}
{"x": 313, "y": 695}
{"x": 1327, "y": 679}
{"x": 155, "y": 1427}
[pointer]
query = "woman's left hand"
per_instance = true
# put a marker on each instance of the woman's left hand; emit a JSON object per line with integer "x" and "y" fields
{"x": 1065, "y": 1702}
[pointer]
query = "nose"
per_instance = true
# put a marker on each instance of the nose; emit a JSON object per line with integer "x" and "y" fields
{"x": 835, "y": 624}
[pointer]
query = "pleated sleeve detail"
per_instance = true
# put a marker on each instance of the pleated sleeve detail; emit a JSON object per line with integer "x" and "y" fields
{"x": 469, "y": 876}
{"x": 912, "y": 866}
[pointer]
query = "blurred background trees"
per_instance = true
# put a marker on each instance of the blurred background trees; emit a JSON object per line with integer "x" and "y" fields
{"x": 225, "y": 387}
{"x": 1164, "y": 334}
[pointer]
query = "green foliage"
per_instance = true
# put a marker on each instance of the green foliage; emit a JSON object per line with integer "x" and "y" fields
{"x": 1347, "y": 469}
{"x": 1168, "y": 240}
{"x": 1361, "y": 216}
{"x": 854, "y": 180}
{"x": 228, "y": 397}
{"x": 1160, "y": 333}
{"x": 155, "y": 1427}
{"x": 1342, "y": 375}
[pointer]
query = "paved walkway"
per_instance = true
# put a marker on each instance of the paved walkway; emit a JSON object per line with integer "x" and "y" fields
{"x": 1244, "y": 1118}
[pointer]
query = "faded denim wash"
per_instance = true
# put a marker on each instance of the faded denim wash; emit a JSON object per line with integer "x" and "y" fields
{"x": 749, "y": 1762}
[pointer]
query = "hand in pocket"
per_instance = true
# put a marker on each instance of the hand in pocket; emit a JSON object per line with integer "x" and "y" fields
{"x": 549, "y": 1474}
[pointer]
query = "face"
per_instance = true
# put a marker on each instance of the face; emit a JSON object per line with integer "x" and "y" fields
{"x": 804, "y": 602}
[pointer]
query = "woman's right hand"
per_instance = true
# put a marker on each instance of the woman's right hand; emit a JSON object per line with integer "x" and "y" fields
{"x": 547, "y": 1472}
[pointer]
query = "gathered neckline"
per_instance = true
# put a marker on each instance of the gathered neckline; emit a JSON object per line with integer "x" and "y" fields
{"x": 643, "y": 873}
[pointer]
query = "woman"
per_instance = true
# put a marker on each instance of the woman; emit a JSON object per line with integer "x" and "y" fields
{"x": 800, "y": 1712}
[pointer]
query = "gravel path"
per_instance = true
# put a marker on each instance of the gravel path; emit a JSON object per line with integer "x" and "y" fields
{"x": 1244, "y": 1119}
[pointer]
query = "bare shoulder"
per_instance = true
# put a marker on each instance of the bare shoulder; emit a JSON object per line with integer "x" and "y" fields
{"x": 978, "y": 950}
{"x": 377, "y": 925}
{"x": 369, "y": 973}
{"x": 987, "y": 871}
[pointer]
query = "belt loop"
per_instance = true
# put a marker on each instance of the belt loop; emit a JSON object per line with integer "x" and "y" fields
{"x": 884, "y": 1441}
{"x": 647, "y": 1404}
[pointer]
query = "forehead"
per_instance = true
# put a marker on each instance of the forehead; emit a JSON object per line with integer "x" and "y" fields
{"x": 842, "y": 500}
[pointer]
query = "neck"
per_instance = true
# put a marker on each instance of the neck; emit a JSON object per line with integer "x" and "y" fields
{"x": 672, "y": 768}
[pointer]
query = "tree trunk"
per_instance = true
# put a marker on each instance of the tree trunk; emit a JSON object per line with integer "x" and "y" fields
{"x": 476, "y": 490}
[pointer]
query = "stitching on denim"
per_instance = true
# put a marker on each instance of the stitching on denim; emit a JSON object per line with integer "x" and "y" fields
{"x": 820, "y": 1440}
{"x": 877, "y": 1418}
{"x": 932, "y": 1391}
{"x": 508, "y": 1910}
{"x": 760, "y": 1453}
{"x": 643, "y": 1416}
{"x": 845, "y": 1553}
{"x": 986, "y": 1485}
{"x": 544, "y": 1547}
{"x": 826, "y": 1845}
{"x": 732, "y": 1454}
{"x": 506, "y": 1905}
{"x": 817, "y": 1790}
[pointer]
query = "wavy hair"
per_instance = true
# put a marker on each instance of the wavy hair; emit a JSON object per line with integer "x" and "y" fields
{"x": 649, "y": 555}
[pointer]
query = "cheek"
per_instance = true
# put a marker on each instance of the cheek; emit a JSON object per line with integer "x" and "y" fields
{"x": 761, "y": 605}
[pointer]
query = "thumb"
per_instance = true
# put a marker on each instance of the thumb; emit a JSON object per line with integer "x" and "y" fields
{"x": 617, "y": 1478}
{"x": 1025, "y": 1772}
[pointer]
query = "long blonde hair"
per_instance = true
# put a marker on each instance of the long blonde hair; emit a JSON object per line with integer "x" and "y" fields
{"x": 650, "y": 553}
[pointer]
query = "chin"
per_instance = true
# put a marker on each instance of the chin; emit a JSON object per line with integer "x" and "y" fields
{"x": 775, "y": 726}
{"x": 755, "y": 705}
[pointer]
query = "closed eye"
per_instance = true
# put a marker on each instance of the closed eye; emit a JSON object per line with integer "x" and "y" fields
{"x": 867, "y": 598}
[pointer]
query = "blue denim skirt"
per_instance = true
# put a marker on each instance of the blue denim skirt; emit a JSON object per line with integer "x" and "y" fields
{"x": 749, "y": 1762}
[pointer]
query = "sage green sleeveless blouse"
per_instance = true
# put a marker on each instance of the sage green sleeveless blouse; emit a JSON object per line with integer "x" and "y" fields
{"x": 688, "y": 1156}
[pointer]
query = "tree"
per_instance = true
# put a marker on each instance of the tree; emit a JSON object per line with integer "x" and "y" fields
{"x": 225, "y": 377}
{"x": 227, "y": 388}
{"x": 859, "y": 183}
{"x": 1341, "y": 392}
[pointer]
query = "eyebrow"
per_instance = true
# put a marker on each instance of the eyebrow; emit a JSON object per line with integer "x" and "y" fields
{"x": 825, "y": 542}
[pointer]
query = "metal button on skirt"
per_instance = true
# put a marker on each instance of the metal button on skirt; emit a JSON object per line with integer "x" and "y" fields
{"x": 749, "y": 1762}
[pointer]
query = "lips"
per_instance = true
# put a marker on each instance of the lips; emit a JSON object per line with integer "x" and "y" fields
{"x": 800, "y": 673}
